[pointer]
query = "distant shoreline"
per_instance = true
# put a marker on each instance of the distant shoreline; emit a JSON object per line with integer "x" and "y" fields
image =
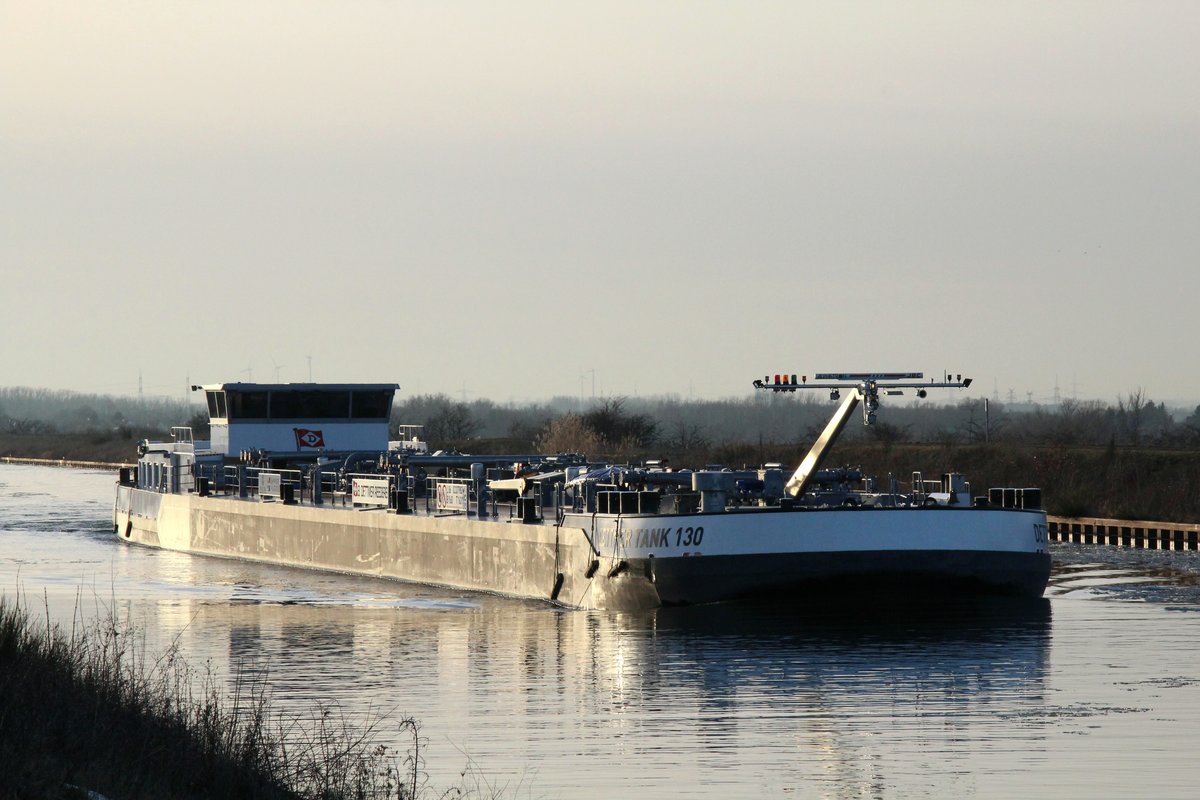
{"x": 1151, "y": 482}
{"x": 105, "y": 450}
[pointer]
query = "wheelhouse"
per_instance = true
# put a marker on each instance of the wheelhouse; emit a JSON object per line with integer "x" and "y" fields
{"x": 298, "y": 417}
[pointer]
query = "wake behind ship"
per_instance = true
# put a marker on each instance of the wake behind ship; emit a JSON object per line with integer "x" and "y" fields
{"x": 304, "y": 475}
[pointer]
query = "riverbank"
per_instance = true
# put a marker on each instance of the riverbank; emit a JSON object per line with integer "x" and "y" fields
{"x": 1110, "y": 482}
{"x": 85, "y": 449}
{"x": 85, "y": 714}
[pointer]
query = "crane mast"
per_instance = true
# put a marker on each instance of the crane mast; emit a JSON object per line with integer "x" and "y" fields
{"x": 860, "y": 387}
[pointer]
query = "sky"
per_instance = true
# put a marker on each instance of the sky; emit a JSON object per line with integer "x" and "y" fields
{"x": 522, "y": 200}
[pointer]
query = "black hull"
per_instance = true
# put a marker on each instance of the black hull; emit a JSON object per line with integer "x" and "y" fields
{"x": 849, "y": 575}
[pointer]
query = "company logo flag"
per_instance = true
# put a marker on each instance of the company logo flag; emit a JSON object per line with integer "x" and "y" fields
{"x": 307, "y": 438}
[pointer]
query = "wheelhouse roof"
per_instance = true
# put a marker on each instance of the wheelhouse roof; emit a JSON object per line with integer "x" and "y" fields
{"x": 298, "y": 387}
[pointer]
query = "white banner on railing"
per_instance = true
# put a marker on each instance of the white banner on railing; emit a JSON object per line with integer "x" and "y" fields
{"x": 452, "y": 497}
{"x": 369, "y": 491}
{"x": 269, "y": 485}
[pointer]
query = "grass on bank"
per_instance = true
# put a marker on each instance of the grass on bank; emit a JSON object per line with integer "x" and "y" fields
{"x": 84, "y": 710}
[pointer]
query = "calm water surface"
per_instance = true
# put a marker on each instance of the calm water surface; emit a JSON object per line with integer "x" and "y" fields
{"x": 1093, "y": 692}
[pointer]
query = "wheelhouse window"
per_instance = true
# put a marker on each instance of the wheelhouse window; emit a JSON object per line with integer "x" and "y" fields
{"x": 216, "y": 405}
{"x": 248, "y": 405}
{"x": 310, "y": 405}
{"x": 280, "y": 403}
{"x": 370, "y": 405}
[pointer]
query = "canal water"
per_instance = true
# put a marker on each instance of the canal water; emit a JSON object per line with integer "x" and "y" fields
{"x": 1093, "y": 692}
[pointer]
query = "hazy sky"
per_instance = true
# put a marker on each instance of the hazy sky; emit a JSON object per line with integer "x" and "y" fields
{"x": 513, "y": 199}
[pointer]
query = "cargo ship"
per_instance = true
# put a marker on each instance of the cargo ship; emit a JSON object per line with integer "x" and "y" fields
{"x": 306, "y": 475}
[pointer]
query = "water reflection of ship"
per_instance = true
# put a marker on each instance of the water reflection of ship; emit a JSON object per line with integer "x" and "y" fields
{"x": 360, "y": 639}
{"x": 990, "y": 646}
{"x": 637, "y": 657}
{"x": 834, "y": 686}
{"x": 796, "y": 691}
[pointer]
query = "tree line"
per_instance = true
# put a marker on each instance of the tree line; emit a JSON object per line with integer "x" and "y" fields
{"x": 645, "y": 426}
{"x": 27, "y": 410}
{"x": 636, "y": 426}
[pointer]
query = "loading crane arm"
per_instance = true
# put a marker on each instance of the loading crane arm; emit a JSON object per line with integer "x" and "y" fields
{"x": 860, "y": 387}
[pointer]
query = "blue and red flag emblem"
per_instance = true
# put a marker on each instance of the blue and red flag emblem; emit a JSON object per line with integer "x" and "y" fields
{"x": 307, "y": 438}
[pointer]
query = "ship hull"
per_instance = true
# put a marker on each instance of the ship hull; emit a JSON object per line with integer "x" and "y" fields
{"x": 596, "y": 561}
